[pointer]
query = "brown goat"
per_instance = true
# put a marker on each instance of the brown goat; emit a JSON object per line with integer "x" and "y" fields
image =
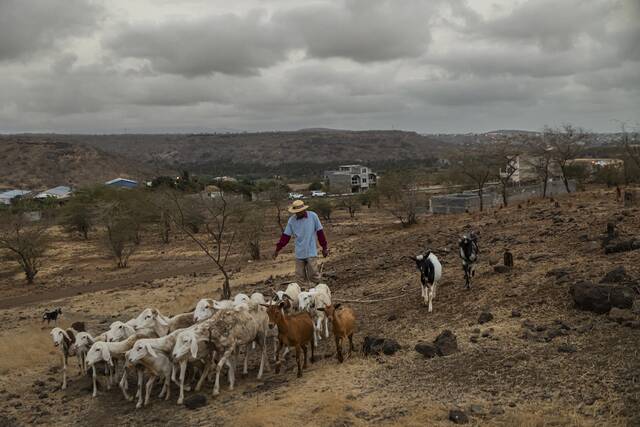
{"x": 293, "y": 331}
{"x": 343, "y": 321}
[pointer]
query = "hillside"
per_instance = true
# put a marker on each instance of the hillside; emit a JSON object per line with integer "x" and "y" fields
{"x": 41, "y": 161}
{"x": 266, "y": 153}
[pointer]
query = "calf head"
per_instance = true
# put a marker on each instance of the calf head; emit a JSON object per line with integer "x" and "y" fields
{"x": 119, "y": 331}
{"x": 186, "y": 343}
{"x": 140, "y": 350}
{"x": 275, "y": 313}
{"x": 425, "y": 266}
{"x": 59, "y": 336}
{"x": 97, "y": 353}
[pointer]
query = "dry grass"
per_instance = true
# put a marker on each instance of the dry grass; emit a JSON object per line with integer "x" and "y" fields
{"x": 28, "y": 347}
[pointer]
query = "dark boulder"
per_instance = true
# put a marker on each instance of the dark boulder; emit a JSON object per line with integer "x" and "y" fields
{"x": 446, "y": 343}
{"x": 617, "y": 275}
{"x": 376, "y": 345}
{"x": 427, "y": 350}
{"x": 485, "y": 317}
{"x": 195, "y": 401}
{"x": 501, "y": 269}
{"x": 458, "y": 417}
{"x": 600, "y": 298}
{"x": 567, "y": 348}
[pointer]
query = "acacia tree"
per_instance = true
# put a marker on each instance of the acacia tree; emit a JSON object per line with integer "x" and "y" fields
{"x": 400, "y": 190}
{"x": 566, "y": 146}
{"x": 121, "y": 237}
{"x": 631, "y": 144}
{"x": 24, "y": 241}
{"x": 252, "y": 227}
{"x": 351, "y": 204}
{"x": 218, "y": 237}
{"x": 78, "y": 215}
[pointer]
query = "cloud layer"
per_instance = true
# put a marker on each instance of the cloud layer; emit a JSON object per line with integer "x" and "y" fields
{"x": 430, "y": 66}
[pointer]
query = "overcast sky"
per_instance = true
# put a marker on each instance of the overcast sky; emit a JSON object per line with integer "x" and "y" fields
{"x": 431, "y": 66}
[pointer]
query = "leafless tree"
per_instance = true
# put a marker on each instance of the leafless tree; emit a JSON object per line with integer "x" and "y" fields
{"x": 278, "y": 196}
{"x": 400, "y": 190}
{"x": 507, "y": 155}
{"x": 24, "y": 241}
{"x": 540, "y": 157}
{"x": 478, "y": 165}
{"x": 218, "y": 216}
{"x": 631, "y": 144}
{"x": 121, "y": 237}
{"x": 566, "y": 146}
{"x": 252, "y": 228}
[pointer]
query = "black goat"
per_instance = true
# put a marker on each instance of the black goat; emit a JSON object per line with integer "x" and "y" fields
{"x": 469, "y": 254}
{"x": 52, "y": 315}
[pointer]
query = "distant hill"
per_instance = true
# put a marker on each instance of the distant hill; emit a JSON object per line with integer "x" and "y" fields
{"x": 42, "y": 161}
{"x": 299, "y": 153}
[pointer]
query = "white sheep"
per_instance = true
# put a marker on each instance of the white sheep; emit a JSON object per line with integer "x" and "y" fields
{"x": 110, "y": 352}
{"x": 321, "y": 299}
{"x": 290, "y": 295}
{"x": 83, "y": 343}
{"x": 156, "y": 364}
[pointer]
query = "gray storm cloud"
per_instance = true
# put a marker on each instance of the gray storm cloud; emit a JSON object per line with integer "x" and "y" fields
{"x": 431, "y": 66}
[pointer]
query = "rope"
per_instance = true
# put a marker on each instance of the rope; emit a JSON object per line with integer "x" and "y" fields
{"x": 370, "y": 301}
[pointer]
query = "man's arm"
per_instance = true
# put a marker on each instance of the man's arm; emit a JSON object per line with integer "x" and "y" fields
{"x": 322, "y": 239}
{"x": 284, "y": 239}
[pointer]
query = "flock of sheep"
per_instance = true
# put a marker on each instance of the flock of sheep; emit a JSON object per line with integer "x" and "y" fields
{"x": 216, "y": 332}
{"x": 213, "y": 335}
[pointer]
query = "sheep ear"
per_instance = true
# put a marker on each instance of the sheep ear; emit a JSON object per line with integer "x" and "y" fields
{"x": 337, "y": 306}
{"x": 320, "y": 309}
{"x": 194, "y": 348}
{"x": 162, "y": 321}
{"x": 106, "y": 355}
{"x": 64, "y": 333}
{"x": 287, "y": 297}
{"x": 151, "y": 351}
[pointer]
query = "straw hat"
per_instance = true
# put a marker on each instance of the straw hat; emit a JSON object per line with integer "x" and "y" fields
{"x": 297, "y": 206}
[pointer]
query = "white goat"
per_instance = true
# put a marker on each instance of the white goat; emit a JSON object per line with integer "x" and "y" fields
{"x": 63, "y": 339}
{"x": 430, "y": 274}
{"x": 321, "y": 299}
{"x": 290, "y": 295}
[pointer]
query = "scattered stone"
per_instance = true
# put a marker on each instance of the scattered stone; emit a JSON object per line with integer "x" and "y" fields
{"x": 623, "y": 246}
{"x": 562, "y": 324}
{"x": 195, "y": 401}
{"x": 392, "y": 317}
{"x": 486, "y": 334}
{"x": 446, "y": 343}
{"x": 582, "y": 329}
{"x": 473, "y": 338}
{"x": 426, "y": 349}
{"x": 619, "y": 315}
{"x": 600, "y": 298}
{"x": 617, "y": 275}
{"x": 634, "y": 324}
{"x": 485, "y": 317}
{"x": 376, "y": 345}
{"x": 538, "y": 257}
{"x": 567, "y": 348}
{"x": 515, "y": 313}
{"x": 501, "y": 269}
{"x": 476, "y": 330}
{"x": 590, "y": 400}
{"x": 541, "y": 328}
{"x": 477, "y": 410}
{"x": 38, "y": 383}
{"x": 497, "y": 410}
{"x": 458, "y": 417}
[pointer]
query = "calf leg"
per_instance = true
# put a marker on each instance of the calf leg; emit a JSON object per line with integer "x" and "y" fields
{"x": 221, "y": 363}
{"x": 263, "y": 356}
{"x": 298, "y": 357}
{"x": 326, "y": 326}
{"x": 139, "y": 394}
{"x": 304, "y": 349}
{"x": 124, "y": 385}
{"x": 430, "y": 298}
{"x": 205, "y": 372}
{"x": 64, "y": 371}
{"x": 351, "y": 347}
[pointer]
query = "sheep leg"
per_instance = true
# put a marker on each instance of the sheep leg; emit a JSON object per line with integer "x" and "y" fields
{"x": 351, "y": 346}
{"x": 275, "y": 349}
{"x": 231, "y": 364}
{"x": 124, "y": 385}
{"x": 167, "y": 382}
{"x": 339, "y": 348}
{"x": 313, "y": 353}
{"x": 183, "y": 371}
{"x": 434, "y": 290}
{"x": 64, "y": 371}
{"x": 149, "y": 387}
{"x": 245, "y": 370}
{"x": 326, "y": 326}
{"x": 94, "y": 378}
{"x": 139, "y": 393}
{"x": 318, "y": 327}
{"x": 221, "y": 362}
{"x": 263, "y": 357}
{"x": 205, "y": 372}
{"x": 430, "y": 298}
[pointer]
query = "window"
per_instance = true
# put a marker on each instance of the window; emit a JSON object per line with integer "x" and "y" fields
{"x": 364, "y": 180}
{"x": 363, "y": 170}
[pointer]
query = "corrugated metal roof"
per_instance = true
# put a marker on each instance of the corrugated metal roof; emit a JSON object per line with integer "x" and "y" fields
{"x": 113, "y": 181}
{"x": 13, "y": 193}
{"x": 59, "y": 192}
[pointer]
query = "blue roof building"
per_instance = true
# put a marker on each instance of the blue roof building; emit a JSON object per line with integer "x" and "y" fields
{"x": 60, "y": 192}
{"x": 122, "y": 183}
{"x": 7, "y": 196}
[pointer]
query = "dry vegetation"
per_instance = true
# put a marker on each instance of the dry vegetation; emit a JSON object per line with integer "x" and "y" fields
{"x": 516, "y": 381}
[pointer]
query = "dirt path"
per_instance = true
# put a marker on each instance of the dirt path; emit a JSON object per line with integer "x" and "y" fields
{"x": 121, "y": 282}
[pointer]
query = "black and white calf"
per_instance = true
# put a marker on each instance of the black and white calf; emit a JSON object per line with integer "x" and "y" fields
{"x": 430, "y": 274}
{"x": 469, "y": 254}
{"x": 52, "y": 315}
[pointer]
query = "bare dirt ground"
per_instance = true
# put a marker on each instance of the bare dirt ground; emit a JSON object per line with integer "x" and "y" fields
{"x": 509, "y": 375}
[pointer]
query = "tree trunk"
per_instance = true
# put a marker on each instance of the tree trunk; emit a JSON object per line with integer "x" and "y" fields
{"x": 504, "y": 194}
{"x": 565, "y": 181}
{"x": 480, "y": 194}
{"x": 226, "y": 288}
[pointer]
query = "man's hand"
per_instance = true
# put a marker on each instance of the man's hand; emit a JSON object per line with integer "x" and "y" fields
{"x": 325, "y": 252}
{"x": 275, "y": 254}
